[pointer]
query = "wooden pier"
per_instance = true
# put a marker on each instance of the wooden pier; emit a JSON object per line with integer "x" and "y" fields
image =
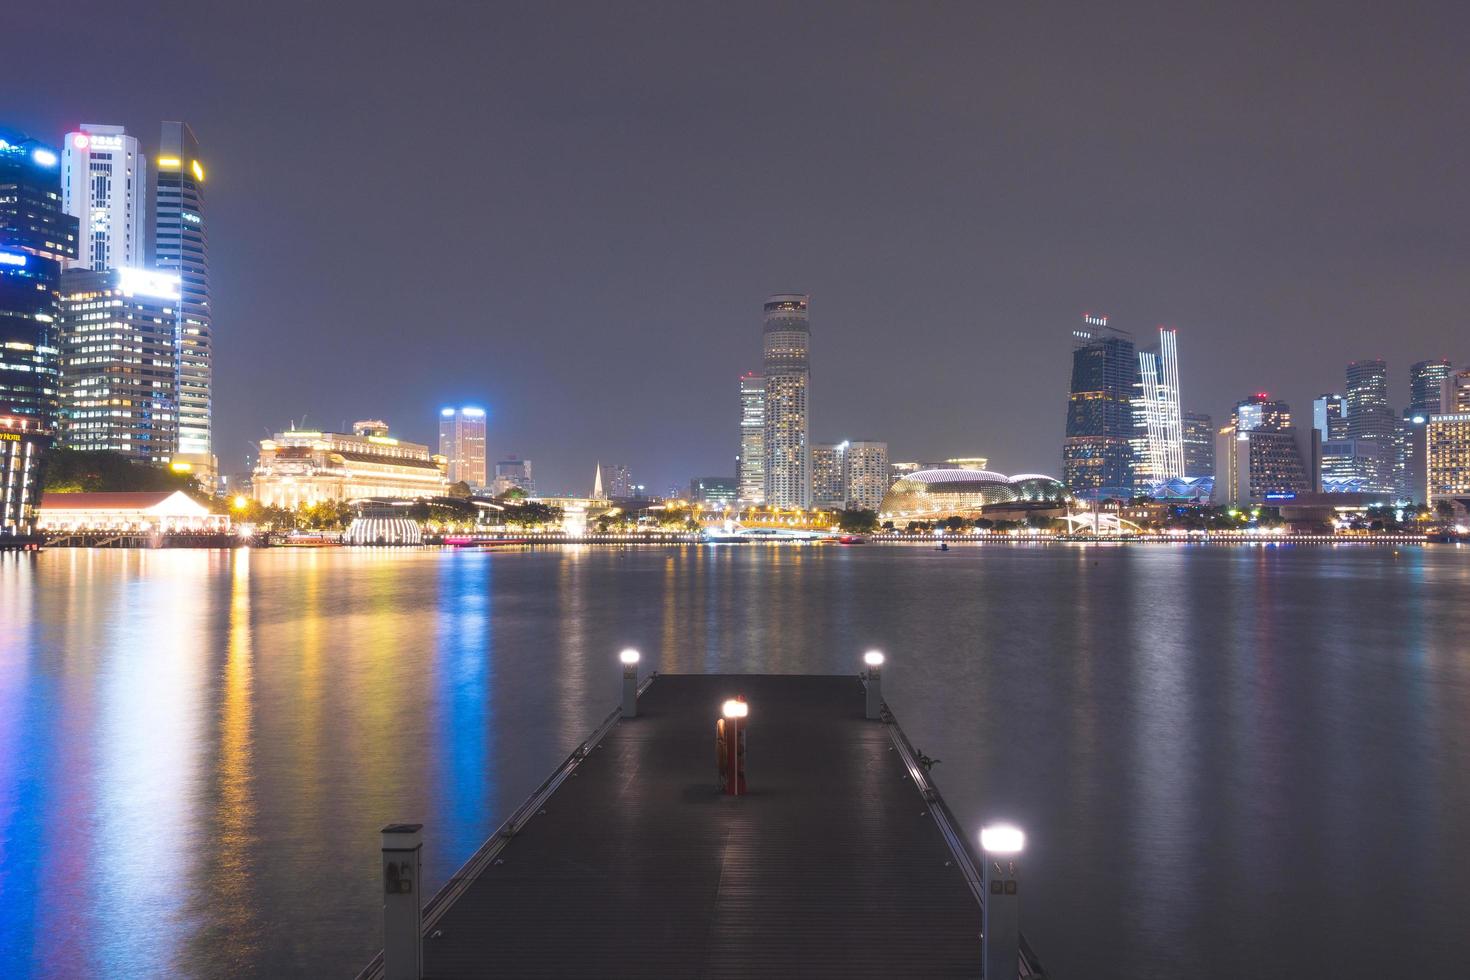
{"x": 841, "y": 861}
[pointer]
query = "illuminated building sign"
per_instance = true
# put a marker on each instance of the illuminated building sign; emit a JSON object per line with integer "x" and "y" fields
{"x": 146, "y": 282}
{"x": 96, "y": 141}
{"x": 1280, "y": 496}
{"x": 12, "y": 258}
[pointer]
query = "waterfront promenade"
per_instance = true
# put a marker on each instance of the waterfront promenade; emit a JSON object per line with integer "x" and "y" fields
{"x": 841, "y": 860}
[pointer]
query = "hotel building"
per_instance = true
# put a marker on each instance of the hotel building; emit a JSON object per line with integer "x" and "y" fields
{"x": 23, "y": 445}
{"x": 301, "y": 469}
{"x": 867, "y": 474}
{"x": 1448, "y": 452}
{"x": 786, "y": 338}
{"x": 829, "y": 475}
{"x": 752, "y": 463}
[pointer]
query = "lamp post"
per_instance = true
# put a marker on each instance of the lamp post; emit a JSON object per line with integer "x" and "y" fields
{"x": 732, "y": 728}
{"x": 1001, "y": 846}
{"x": 874, "y": 660}
{"x": 630, "y": 658}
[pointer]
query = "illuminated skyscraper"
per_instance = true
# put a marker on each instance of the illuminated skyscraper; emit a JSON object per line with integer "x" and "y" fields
{"x": 752, "y": 464}
{"x": 1097, "y": 455}
{"x": 787, "y": 341}
{"x": 1448, "y": 458}
{"x": 829, "y": 472}
{"x": 181, "y": 245}
{"x": 1256, "y": 456}
{"x": 1329, "y": 416}
{"x": 117, "y": 362}
{"x": 867, "y": 474}
{"x": 1426, "y": 386}
{"x": 462, "y": 443}
{"x": 36, "y": 237}
{"x": 1158, "y": 425}
{"x": 1371, "y": 423}
{"x": 104, "y": 182}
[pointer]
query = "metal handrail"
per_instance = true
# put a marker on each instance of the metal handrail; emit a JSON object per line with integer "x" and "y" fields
{"x": 959, "y": 844}
{"x": 460, "y": 881}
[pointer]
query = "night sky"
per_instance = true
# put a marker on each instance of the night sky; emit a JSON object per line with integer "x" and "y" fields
{"x": 572, "y": 213}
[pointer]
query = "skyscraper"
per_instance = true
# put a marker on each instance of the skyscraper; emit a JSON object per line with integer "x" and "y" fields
{"x": 462, "y": 443}
{"x": 1199, "y": 444}
{"x": 829, "y": 475}
{"x": 1371, "y": 423}
{"x": 752, "y": 464}
{"x": 867, "y": 474}
{"x": 1256, "y": 455}
{"x": 181, "y": 245}
{"x": 36, "y": 237}
{"x": 117, "y": 362}
{"x": 1448, "y": 458}
{"x": 104, "y": 181}
{"x": 1158, "y": 432}
{"x": 1329, "y": 416}
{"x": 1097, "y": 455}
{"x": 787, "y": 339}
{"x": 1456, "y": 396}
{"x": 1426, "y": 386}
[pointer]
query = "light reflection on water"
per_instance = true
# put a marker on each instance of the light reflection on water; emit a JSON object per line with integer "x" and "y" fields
{"x": 1231, "y": 761}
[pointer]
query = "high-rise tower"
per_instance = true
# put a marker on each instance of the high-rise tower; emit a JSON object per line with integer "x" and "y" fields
{"x": 787, "y": 341}
{"x": 117, "y": 366}
{"x": 751, "y": 478}
{"x": 36, "y": 237}
{"x": 1097, "y": 455}
{"x": 462, "y": 443}
{"x": 1426, "y": 386}
{"x": 181, "y": 245}
{"x": 1371, "y": 423}
{"x": 1158, "y": 423}
{"x": 103, "y": 185}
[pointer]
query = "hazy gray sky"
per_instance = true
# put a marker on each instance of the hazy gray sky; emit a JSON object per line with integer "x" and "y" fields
{"x": 571, "y": 213}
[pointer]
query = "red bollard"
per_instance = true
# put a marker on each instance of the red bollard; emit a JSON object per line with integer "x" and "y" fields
{"x": 730, "y": 744}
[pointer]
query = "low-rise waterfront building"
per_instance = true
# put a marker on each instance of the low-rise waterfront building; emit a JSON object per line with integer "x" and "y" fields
{"x": 714, "y": 491}
{"x": 513, "y": 474}
{"x": 300, "y": 468}
{"x": 928, "y": 494}
{"x": 159, "y": 512}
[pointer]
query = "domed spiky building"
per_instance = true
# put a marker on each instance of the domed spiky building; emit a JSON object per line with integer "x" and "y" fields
{"x": 934, "y": 493}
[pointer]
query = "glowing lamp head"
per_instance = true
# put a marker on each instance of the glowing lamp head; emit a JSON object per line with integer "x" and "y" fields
{"x": 629, "y": 656}
{"x": 873, "y": 658}
{"x": 1002, "y": 838}
{"x": 240, "y": 502}
{"x": 735, "y": 708}
{"x": 43, "y": 157}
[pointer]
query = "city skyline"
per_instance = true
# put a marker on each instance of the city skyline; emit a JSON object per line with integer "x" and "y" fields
{"x": 1226, "y": 249}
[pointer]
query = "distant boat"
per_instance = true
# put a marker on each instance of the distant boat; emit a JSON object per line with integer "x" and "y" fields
{"x": 943, "y": 546}
{"x": 852, "y": 539}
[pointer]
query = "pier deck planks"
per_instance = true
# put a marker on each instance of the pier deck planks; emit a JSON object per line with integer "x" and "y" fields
{"x": 639, "y": 866}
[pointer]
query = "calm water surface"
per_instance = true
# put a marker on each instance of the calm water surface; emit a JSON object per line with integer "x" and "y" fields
{"x": 1232, "y": 761}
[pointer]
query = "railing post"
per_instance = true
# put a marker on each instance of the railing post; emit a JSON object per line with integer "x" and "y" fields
{"x": 1001, "y": 846}
{"x": 630, "y": 658}
{"x": 403, "y": 951}
{"x": 874, "y": 660}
